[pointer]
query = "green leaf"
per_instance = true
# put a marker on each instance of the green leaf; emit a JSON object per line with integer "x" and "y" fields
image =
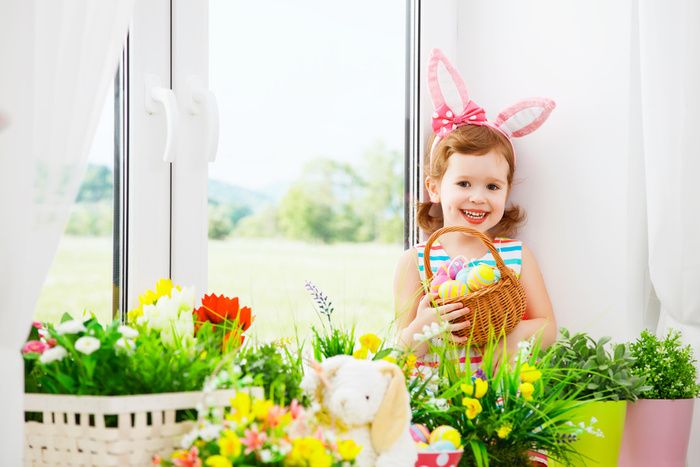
{"x": 604, "y": 340}
{"x": 66, "y": 317}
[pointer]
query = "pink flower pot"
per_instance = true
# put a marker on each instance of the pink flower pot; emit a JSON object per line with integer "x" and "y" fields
{"x": 657, "y": 432}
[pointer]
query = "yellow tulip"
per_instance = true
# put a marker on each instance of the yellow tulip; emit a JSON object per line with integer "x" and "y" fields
{"x": 348, "y": 450}
{"x": 218, "y": 461}
{"x": 473, "y": 407}
{"x": 360, "y": 354}
{"x": 240, "y": 407}
{"x": 526, "y": 390}
{"x": 261, "y": 409}
{"x": 529, "y": 374}
{"x": 478, "y": 392}
{"x": 371, "y": 342}
{"x": 229, "y": 444}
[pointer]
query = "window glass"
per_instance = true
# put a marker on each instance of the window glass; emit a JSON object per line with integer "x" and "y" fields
{"x": 81, "y": 276}
{"x": 308, "y": 181}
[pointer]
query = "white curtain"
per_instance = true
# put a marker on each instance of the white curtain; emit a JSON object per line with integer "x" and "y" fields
{"x": 670, "y": 71}
{"x": 58, "y": 58}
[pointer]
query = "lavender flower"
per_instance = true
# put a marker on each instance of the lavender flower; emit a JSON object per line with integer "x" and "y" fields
{"x": 565, "y": 438}
{"x": 323, "y": 305}
{"x": 479, "y": 374}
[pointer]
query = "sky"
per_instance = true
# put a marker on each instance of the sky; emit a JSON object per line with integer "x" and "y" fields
{"x": 296, "y": 81}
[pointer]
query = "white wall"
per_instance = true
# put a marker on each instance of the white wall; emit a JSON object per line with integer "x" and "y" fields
{"x": 579, "y": 173}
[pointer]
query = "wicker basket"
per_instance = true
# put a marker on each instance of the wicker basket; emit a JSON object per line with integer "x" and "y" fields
{"x": 73, "y": 430}
{"x": 493, "y": 309}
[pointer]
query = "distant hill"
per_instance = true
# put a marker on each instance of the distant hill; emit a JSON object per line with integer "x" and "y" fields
{"x": 223, "y": 193}
{"x": 97, "y": 187}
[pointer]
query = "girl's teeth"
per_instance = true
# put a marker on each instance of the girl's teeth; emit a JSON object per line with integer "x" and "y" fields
{"x": 474, "y": 215}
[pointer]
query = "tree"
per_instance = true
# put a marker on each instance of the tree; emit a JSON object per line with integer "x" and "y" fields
{"x": 319, "y": 205}
{"x": 382, "y": 200}
{"x": 97, "y": 184}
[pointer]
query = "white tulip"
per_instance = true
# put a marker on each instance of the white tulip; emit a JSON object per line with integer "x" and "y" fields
{"x": 71, "y": 327}
{"x": 53, "y": 354}
{"x": 87, "y": 344}
{"x": 127, "y": 332}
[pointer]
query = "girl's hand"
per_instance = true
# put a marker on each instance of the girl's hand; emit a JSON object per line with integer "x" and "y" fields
{"x": 426, "y": 314}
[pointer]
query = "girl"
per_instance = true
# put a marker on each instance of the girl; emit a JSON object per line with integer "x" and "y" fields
{"x": 469, "y": 174}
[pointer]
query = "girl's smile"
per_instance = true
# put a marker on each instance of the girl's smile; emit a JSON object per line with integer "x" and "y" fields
{"x": 473, "y": 191}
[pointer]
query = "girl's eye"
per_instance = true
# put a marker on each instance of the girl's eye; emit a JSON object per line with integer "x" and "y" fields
{"x": 493, "y": 187}
{"x": 463, "y": 184}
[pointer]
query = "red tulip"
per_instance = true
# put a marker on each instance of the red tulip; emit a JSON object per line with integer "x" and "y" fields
{"x": 220, "y": 309}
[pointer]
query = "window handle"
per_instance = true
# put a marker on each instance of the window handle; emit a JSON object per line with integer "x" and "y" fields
{"x": 154, "y": 95}
{"x": 203, "y": 100}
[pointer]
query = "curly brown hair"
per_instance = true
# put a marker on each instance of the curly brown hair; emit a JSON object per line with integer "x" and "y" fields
{"x": 477, "y": 141}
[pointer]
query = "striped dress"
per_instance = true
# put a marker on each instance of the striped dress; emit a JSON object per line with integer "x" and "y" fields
{"x": 511, "y": 253}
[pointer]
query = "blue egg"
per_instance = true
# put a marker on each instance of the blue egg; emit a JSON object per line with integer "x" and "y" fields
{"x": 463, "y": 275}
{"x": 441, "y": 446}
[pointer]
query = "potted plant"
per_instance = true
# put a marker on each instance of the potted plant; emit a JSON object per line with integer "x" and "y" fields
{"x": 508, "y": 414}
{"x": 117, "y": 394}
{"x": 601, "y": 376}
{"x": 672, "y": 375}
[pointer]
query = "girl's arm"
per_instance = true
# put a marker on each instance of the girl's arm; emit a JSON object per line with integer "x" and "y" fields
{"x": 414, "y": 308}
{"x": 539, "y": 310}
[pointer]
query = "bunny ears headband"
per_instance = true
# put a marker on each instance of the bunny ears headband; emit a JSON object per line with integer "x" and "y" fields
{"x": 516, "y": 120}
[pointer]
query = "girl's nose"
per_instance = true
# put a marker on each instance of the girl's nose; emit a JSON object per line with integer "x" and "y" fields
{"x": 477, "y": 196}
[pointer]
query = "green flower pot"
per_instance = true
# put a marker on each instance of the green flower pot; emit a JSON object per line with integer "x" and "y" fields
{"x": 608, "y": 417}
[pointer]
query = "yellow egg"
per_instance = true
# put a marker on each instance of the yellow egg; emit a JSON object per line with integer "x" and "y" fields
{"x": 421, "y": 446}
{"x": 480, "y": 276}
{"x": 451, "y": 288}
{"x": 446, "y": 433}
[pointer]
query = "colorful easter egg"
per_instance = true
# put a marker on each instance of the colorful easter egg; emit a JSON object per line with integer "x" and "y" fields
{"x": 463, "y": 275}
{"x": 480, "y": 276}
{"x": 446, "y": 433}
{"x": 442, "y": 269}
{"x": 437, "y": 282}
{"x": 450, "y": 268}
{"x": 419, "y": 433}
{"x": 497, "y": 275}
{"x": 451, "y": 289}
{"x": 422, "y": 446}
{"x": 442, "y": 446}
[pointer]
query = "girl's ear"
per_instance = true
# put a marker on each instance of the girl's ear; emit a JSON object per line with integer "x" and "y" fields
{"x": 433, "y": 189}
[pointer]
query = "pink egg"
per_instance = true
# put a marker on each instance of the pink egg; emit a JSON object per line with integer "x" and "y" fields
{"x": 437, "y": 282}
{"x": 419, "y": 433}
{"x": 442, "y": 269}
{"x": 453, "y": 267}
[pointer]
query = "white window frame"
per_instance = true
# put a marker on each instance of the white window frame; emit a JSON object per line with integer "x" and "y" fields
{"x": 165, "y": 230}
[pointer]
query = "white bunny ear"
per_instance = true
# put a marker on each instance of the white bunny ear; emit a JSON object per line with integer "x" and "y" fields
{"x": 525, "y": 116}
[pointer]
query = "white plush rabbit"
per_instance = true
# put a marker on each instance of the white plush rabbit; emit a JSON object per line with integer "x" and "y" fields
{"x": 366, "y": 401}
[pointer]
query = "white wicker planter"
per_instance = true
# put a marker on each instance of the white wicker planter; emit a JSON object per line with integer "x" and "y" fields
{"x": 73, "y": 431}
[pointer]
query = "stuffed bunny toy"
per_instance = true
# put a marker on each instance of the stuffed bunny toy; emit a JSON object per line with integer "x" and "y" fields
{"x": 366, "y": 401}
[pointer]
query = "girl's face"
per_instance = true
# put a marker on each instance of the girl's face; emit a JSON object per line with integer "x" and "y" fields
{"x": 473, "y": 191}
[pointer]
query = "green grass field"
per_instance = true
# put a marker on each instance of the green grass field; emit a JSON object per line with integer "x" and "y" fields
{"x": 267, "y": 275}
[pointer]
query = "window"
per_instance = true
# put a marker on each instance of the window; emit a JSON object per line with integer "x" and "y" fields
{"x": 307, "y": 184}
{"x": 308, "y": 180}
